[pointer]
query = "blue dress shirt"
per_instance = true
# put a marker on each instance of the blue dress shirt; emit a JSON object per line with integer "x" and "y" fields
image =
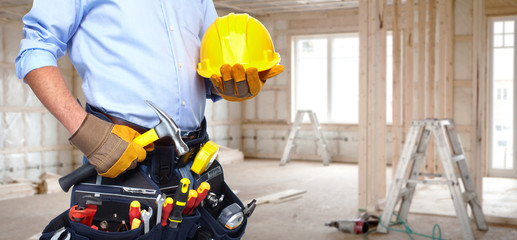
{"x": 126, "y": 51}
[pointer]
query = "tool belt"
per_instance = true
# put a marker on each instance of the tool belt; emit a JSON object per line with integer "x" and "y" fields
{"x": 159, "y": 174}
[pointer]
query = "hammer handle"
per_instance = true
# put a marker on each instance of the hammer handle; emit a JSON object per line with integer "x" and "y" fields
{"x": 87, "y": 170}
{"x": 146, "y": 138}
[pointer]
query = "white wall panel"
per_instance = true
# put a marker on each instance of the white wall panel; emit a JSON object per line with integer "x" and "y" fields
{"x": 463, "y": 61}
{"x": 11, "y": 45}
{"x": 50, "y": 161}
{"x": 15, "y": 166}
{"x": 14, "y": 130}
{"x": 249, "y": 140}
{"x": 250, "y": 108}
{"x": 463, "y": 17}
{"x": 282, "y": 106}
{"x": 33, "y": 166}
{"x": 15, "y": 89}
{"x": 266, "y": 109}
{"x": 33, "y": 129}
{"x": 49, "y": 135}
{"x": 266, "y": 143}
{"x": 65, "y": 161}
{"x": 462, "y": 111}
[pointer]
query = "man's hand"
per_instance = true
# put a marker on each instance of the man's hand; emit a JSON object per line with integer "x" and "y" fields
{"x": 109, "y": 147}
{"x": 236, "y": 84}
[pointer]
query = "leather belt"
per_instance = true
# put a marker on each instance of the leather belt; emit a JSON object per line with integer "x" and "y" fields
{"x": 163, "y": 142}
{"x": 125, "y": 123}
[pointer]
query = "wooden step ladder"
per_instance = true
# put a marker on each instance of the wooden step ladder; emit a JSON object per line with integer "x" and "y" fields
{"x": 451, "y": 154}
{"x": 291, "y": 141}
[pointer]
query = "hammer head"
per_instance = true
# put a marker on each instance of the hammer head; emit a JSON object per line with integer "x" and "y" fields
{"x": 168, "y": 128}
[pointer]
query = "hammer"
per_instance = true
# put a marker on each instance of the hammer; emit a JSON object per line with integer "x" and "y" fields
{"x": 166, "y": 128}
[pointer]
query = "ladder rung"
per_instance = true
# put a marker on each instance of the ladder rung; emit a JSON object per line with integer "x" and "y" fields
{"x": 428, "y": 181}
{"x": 430, "y": 174}
{"x": 307, "y": 138}
{"x": 458, "y": 157}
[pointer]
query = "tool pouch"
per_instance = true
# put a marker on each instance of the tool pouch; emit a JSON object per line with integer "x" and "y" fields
{"x": 158, "y": 174}
{"x": 62, "y": 227}
{"x": 210, "y": 227}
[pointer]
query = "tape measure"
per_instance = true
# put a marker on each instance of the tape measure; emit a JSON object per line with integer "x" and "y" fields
{"x": 204, "y": 158}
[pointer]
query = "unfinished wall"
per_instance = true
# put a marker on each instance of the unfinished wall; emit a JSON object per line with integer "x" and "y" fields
{"x": 31, "y": 139}
{"x": 267, "y": 119}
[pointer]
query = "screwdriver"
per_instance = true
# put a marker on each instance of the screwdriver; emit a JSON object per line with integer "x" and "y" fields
{"x": 202, "y": 191}
{"x": 167, "y": 208}
{"x": 134, "y": 211}
{"x": 192, "y": 196}
{"x": 180, "y": 201}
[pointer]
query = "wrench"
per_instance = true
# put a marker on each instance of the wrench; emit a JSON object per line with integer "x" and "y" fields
{"x": 159, "y": 206}
{"x": 146, "y": 215}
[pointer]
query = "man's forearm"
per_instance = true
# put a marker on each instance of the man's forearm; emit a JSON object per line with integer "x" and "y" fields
{"x": 50, "y": 87}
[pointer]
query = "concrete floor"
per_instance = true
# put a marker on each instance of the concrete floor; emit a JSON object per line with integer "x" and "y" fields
{"x": 331, "y": 195}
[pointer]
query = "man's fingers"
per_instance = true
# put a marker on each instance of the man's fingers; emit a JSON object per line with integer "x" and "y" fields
{"x": 238, "y": 75}
{"x": 226, "y": 72}
{"x": 254, "y": 82}
{"x": 217, "y": 81}
{"x": 271, "y": 72}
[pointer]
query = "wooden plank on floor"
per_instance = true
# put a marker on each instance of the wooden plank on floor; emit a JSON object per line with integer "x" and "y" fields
{"x": 17, "y": 190}
{"x": 279, "y": 196}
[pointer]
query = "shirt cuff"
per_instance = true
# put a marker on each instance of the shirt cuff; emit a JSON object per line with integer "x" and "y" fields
{"x": 32, "y": 59}
{"x": 209, "y": 93}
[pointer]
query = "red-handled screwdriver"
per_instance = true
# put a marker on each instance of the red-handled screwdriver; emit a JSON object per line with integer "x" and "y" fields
{"x": 192, "y": 196}
{"x": 134, "y": 211}
{"x": 167, "y": 209}
{"x": 202, "y": 191}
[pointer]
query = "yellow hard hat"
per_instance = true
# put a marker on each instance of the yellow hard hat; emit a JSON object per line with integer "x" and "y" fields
{"x": 236, "y": 38}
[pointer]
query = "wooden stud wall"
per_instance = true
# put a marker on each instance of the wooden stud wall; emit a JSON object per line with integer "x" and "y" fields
{"x": 372, "y": 99}
{"x": 479, "y": 95}
{"x": 396, "y": 132}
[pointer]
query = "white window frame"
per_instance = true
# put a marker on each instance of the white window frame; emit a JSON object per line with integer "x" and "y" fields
{"x": 491, "y": 171}
{"x": 329, "y": 74}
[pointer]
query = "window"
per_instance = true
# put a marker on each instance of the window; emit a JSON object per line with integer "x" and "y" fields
{"x": 502, "y": 79}
{"x": 326, "y": 77}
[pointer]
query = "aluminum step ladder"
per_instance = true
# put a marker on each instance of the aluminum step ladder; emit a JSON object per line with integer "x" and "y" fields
{"x": 291, "y": 141}
{"x": 451, "y": 154}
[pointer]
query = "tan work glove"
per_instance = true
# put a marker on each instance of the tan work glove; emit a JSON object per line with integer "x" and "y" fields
{"x": 109, "y": 147}
{"x": 236, "y": 85}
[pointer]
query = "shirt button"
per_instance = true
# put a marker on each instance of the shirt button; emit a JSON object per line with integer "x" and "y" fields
{"x": 180, "y": 64}
{"x": 183, "y": 103}
{"x": 171, "y": 28}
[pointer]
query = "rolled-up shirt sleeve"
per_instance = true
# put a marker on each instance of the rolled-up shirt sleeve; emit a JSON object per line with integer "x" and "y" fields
{"x": 47, "y": 29}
